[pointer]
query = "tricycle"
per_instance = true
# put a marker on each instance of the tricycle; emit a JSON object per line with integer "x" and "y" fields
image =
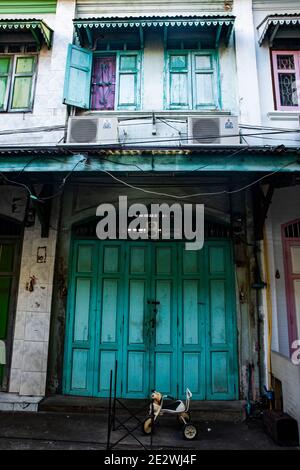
{"x": 178, "y": 408}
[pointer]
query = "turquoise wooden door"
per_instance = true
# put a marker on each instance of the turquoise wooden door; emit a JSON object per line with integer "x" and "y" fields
{"x": 166, "y": 314}
{"x": 137, "y": 337}
{"x": 163, "y": 354}
{"x": 221, "y": 350}
{"x": 80, "y": 334}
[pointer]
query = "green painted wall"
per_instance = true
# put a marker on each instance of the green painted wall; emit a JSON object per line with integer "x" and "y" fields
{"x": 27, "y": 6}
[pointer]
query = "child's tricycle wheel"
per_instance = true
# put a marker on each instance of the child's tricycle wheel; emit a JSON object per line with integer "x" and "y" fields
{"x": 148, "y": 423}
{"x": 190, "y": 431}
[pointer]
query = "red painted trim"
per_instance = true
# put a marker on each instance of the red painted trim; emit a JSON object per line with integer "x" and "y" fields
{"x": 273, "y": 79}
{"x": 289, "y": 280}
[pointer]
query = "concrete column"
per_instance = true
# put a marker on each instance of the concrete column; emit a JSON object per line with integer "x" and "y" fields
{"x": 32, "y": 322}
{"x": 247, "y": 76}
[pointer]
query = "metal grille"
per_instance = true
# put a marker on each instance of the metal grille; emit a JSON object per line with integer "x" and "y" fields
{"x": 83, "y": 130}
{"x": 292, "y": 230}
{"x": 206, "y": 131}
{"x": 288, "y": 89}
{"x": 285, "y": 62}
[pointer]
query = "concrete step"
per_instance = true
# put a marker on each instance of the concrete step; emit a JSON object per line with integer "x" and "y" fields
{"x": 203, "y": 410}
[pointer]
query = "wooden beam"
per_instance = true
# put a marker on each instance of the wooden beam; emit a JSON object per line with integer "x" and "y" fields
{"x": 175, "y": 160}
{"x": 218, "y": 35}
{"x": 272, "y": 37}
{"x": 141, "y": 31}
{"x": 261, "y": 204}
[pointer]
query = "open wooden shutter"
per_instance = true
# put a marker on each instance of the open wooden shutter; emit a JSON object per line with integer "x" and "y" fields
{"x": 77, "y": 87}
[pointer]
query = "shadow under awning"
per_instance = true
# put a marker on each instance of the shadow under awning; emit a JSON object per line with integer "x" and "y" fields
{"x": 20, "y": 30}
{"x": 215, "y": 29}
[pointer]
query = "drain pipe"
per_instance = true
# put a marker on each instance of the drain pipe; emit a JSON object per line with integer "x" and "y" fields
{"x": 258, "y": 285}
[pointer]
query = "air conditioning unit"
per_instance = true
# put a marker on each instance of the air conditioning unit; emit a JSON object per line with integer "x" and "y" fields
{"x": 93, "y": 130}
{"x": 222, "y": 130}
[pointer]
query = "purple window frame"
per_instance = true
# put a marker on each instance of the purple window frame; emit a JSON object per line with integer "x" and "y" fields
{"x": 276, "y": 73}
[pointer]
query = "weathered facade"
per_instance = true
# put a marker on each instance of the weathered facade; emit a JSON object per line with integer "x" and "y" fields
{"x": 156, "y": 103}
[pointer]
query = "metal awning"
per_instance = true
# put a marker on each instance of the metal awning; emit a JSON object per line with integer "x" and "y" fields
{"x": 219, "y": 26}
{"x": 40, "y": 31}
{"x": 279, "y": 26}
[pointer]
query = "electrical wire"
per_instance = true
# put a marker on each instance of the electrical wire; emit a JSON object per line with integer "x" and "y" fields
{"x": 136, "y": 187}
{"x": 32, "y": 130}
{"x": 17, "y": 184}
{"x": 198, "y": 138}
{"x": 58, "y": 192}
{"x": 134, "y": 141}
{"x": 186, "y": 196}
{"x": 228, "y": 156}
{"x": 46, "y": 198}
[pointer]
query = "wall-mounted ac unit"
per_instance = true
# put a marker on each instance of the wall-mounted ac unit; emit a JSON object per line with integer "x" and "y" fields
{"x": 222, "y": 130}
{"x": 93, "y": 130}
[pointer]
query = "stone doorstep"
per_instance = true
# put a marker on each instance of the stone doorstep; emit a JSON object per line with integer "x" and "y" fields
{"x": 205, "y": 410}
{"x": 15, "y": 402}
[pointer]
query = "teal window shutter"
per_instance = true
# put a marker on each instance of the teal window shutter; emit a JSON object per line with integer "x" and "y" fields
{"x": 77, "y": 89}
{"x": 17, "y": 80}
{"x": 128, "y": 81}
{"x": 179, "y": 81}
{"x": 204, "y": 75}
{"x": 193, "y": 80}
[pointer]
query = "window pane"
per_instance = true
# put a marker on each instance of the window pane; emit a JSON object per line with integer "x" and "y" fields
{"x": 21, "y": 93}
{"x": 178, "y": 62}
{"x": 25, "y": 65}
{"x": 128, "y": 62}
{"x": 288, "y": 89}
{"x": 179, "y": 89}
{"x": 204, "y": 88}
{"x": 285, "y": 62}
{"x": 4, "y": 65}
{"x": 203, "y": 61}
{"x": 127, "y": 89}
{"x": 3, "y": 84}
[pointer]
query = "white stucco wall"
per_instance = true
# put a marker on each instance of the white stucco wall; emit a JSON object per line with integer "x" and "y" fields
{"x": 32, "y": 320}
{"x": 248, "y": 89}
{"x": 285, "y": 207}
{"x": 269, "y": 116}
{"x": 289, "y": 375}
{"x": 48, "y": 109}
{"x": 89, "y": 8}
{"x": 153, "y": 80}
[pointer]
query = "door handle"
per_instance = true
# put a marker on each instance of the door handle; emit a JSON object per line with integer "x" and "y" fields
{"x": 153, "y": 302}
{"x": 103, "y": 83}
